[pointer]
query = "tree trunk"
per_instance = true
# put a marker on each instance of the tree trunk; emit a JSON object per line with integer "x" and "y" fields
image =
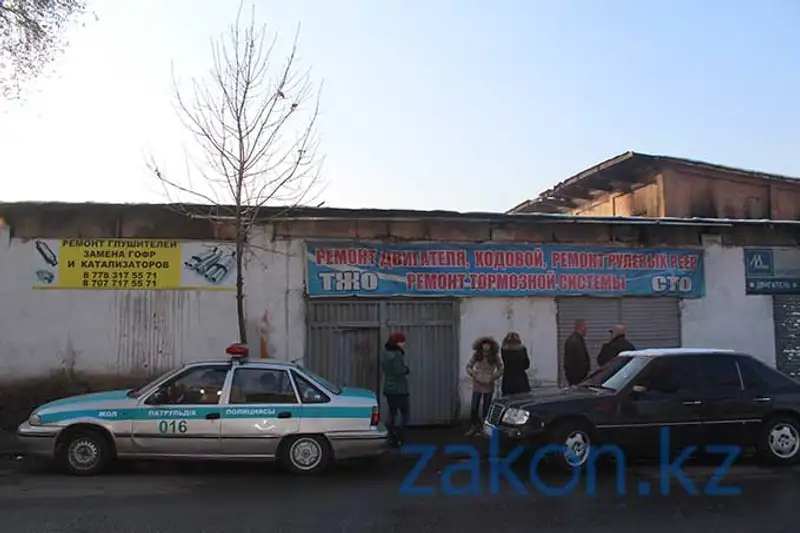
{"x": 240, "y": 292}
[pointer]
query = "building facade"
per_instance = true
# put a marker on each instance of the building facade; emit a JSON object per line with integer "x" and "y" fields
{"x": 640, "y": 185}
{"x": 134, "y": 290}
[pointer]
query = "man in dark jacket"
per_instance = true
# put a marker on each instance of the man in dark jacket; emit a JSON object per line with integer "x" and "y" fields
{"x": 618, "y": 343}
{"x": 576, "y": 356}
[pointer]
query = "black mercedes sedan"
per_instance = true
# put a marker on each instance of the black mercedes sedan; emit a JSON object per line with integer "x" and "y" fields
{"x": 647, "y": 401}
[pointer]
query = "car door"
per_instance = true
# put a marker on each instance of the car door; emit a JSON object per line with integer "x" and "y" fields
{"x": 665, "y": 396}
{"x": 759, "y": 396}
{"x": 727, "y": 410}
{"x": 262, "y": 408}
{"x": 182, "y": 416}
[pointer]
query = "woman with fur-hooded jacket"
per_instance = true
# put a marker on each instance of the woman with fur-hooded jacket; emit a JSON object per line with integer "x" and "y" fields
{"x": 484, "y": 367}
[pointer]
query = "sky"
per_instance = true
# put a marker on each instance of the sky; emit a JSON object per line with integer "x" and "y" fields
{"x": 461, "y": 105}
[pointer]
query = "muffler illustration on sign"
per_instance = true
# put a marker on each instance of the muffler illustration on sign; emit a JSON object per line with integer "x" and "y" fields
{"x": 49, "y": 256}
{"x": 219, "y": 271}
{"x": 214, "y": 264}
{"x": 193, "y": 262}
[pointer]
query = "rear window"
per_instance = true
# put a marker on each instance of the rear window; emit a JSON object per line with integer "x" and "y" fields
{"x": 327, "y": 385}
{"x": 756, "y": 374}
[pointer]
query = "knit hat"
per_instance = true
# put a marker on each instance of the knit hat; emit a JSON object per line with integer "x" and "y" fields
{"x": 396, "y": 338}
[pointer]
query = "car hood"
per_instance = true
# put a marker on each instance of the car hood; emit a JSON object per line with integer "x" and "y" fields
{"x": 115, "y": 398}
{"x": 536, "y": 398}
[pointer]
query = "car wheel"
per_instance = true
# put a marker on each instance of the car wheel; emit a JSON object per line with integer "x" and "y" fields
{"x": 779, "y": 442}
{"x": 85, "y": 453}
{"x": 576, "y": 440}
{"x": 306, "y": 454}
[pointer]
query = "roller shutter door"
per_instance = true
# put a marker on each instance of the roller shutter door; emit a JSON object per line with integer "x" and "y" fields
{"x": 599, "y": 314}
{"x": 786, "y": 313}
{"x": 651, "y": 322}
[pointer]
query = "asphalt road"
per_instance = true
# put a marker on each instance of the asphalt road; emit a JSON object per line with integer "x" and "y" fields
{"x": 366, "y": 497}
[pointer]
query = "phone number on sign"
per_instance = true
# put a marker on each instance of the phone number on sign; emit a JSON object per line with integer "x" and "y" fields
{"x": 120, "y": 280}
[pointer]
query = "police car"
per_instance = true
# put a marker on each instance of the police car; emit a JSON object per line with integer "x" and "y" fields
{"x": 236, "y": 409}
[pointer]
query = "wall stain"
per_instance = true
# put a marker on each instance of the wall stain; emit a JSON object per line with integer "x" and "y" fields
{"x": 263, "y": 334}
{"x": 508, "y": 310}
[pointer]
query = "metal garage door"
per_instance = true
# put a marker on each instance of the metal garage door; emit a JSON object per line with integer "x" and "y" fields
{"x": 343, "y": 341}
{"x": 786, "y": 313}
{"x": 432, "y": 348}
{"x": 651, "y": 322}
{"x": 345, "y": 338}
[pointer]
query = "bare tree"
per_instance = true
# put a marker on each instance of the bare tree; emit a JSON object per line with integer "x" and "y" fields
{"x": 254, "y": 124}
{"x": 31, "y": 33}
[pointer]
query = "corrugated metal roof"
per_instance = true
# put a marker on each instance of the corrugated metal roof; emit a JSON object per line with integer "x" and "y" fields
{"x": 628, "y": 162}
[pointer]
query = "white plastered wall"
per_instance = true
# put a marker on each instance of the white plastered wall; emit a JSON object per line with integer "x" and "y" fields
{"x": 727, "y": 317}
{"x": 111, "y": 332}
{"x": 533, "y": 318}
{"x": 275, "y": 297}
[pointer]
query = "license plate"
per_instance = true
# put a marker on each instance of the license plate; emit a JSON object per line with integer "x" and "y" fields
{"x": 488, "y": 429}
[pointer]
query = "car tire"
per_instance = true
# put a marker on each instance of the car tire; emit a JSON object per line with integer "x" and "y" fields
{"x": 306, "y": 455}
{"x": 576, "y": 436}
{"x": 779, "y": 441}
{"x": 85, "y": 453}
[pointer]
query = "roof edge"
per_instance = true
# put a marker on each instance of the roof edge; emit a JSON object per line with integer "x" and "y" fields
{"x": 575, "y": 178}
{"x": 658, "y": 160}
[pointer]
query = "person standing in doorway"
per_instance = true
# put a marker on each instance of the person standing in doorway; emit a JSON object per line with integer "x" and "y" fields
{"x": 395, "y": 387}
{"x": 617, "y": 344}
{"x": 484, "y": 367}
{"x": 515, "y": 365}
{"x": 576, "y": 356}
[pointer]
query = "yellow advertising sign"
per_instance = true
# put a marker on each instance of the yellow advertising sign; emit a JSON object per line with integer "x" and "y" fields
{"x": 133, "y": 264}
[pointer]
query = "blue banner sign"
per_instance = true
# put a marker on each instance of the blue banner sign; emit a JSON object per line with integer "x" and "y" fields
{"x": 772, "y": 270}
{"x": 432, "y": 269}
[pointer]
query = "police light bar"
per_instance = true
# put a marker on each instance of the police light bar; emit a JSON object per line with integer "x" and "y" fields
{"x": 237, "y": 351}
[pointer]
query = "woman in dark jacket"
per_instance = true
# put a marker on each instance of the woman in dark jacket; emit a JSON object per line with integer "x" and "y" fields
{"x": 395, "y": 387}
{"x": 515, "y": 364}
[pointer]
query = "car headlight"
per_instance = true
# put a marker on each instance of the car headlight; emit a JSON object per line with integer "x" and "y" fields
{"x": 516, "y": 417}
{"x": 35, "y": 420}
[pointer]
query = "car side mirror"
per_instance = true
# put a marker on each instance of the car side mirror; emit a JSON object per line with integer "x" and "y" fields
{"x": 639, "y": 389}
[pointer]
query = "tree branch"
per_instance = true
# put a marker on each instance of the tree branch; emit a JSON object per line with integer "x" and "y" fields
{"x": 256, "y": 132}
{"x": 32, "y": 32}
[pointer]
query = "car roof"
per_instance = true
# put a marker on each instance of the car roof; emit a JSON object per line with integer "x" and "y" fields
{"x": 662, "y": 352}
{"x": 245, "y": 362}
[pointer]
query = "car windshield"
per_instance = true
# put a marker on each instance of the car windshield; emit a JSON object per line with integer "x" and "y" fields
{"x": 322, "y": 381}
{"x": 135, "y": 393}
{"x": 616, "y": 374}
